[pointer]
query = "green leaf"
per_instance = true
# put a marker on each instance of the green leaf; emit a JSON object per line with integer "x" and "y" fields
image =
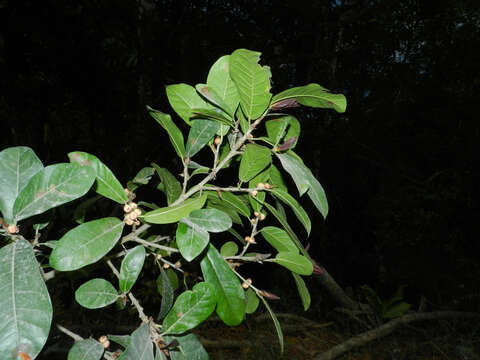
{"x": 294, "y": 262}
{"x": 131, "y": 267}
{"x": 212, "y": 114}
{"x": 53, "y": 186}
{"x": 184, "y": 98}
{"x": 276, "y": 323}
{"x": 251, "y": 300}
{"x": 279, "y": 239}
{"x": 313, "y": 95}
{"x": 232, "y": 214}
{"x": 174, "y": 133}
{"x": 17, "y": 166}
{"x": 96, "y": 293}
{"x": 252, "y": 81}
{"x": 87, "y": 349}
{"x": 231, "y": 297}
{"x": 219, "y": 80}
{"x": 255, "y": 158}
{"x": 189, "y": 348}
{"x": 302, "y": 291}
{"x": 26, "y": 310}
{"x": 396, "y": 310}
{"x": 191, "y": 239}
{"x": 143, "y": 176}
{"x": 140, "y": 346}
{"x": 295, "y": 206}
{"x": 171, "y": 186}
{"x": 276, "y": 179}
{"x": 122, "y": 340}
{"x": 172, "y": 214}
{"x": 167, "y": 288}
{"x": 276, "y": 128}
{"x": 296, "y": 170}
{"x": 211, "y": 220}
{"x": 85, "y": 244}
{"x": 107, "y": 184}
{"x": 190, "y": 309}
{"x": 256, "y": 201}
{"x": 230, "y": 200}
{"x": 201, "y": 132}
{"x": 318, "y": 196}
{"x": 229, "y": 249}
{"x": 202, "y": 170}
{"x": 211, "y": 95}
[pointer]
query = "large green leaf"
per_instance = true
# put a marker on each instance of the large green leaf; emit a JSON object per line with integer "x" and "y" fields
{"x": 190, "y": 309}
{"x": 166, "y": 286}
{"x": 214, "y": 115}
{"x": 211, "y": 220}
{"x": 17, "y": 166}
{"x": 252, "y": 81}
{"x": 171, "y": 186}
{"x": 85, "y": 244}
{"x": 172, "y": 214}
{"x": 26, "y": 310}
{"x": 276, "y": 179}
{"x": 191, "y": 239}
{"x": 209, "y": 93}
{"x": 294, "y": 262}
{"x": 183, "y": 98}
{"x": 279, "y": 239}
{"x": 313, "y": 95}
{"x": 219, "y": 80}
{"x": 173, "y": 131}
{"x": 255, "y": 158}
{"x": 302, "y": 291}
{"x": 201, "y": 132}
{"x": 276, "y": 128}
{"x": 189, "y": 348}
{"x": 107, "y": 184}
{"x": 96, "y": 293}
{"x": 131, "y": 267}
{"x": 232, "y": 214}
{"x": 87, "y": 349}
{"x": 318, "y": 196}
{"x": 140, "y": 346}
{"x": 276, "y": 323}
{"x": 298, "y": 210}
{"x": 53, "y": 186}
{"x": 229, "y": 248}
{"x": 230, "y": 200}
{"x": 231, "y": 297}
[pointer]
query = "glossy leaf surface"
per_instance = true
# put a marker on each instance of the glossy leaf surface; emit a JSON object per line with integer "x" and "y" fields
{"x": 230, "y": 248}
{"x": 219, "y": 80}
{"x": 297, "y": 209}
{"x": 96, "y": 293}
{"x": 230, "y": 200}
{"x": 254, "y": 159}
{"x": 17, "y": 166}
{"x": 252, "y": 301}
{"x": 85, "y": 244}
{"x": 191, "y": 239}
{"x": 183, "y": 98}
{"x": 279, "y": 239}
{"x": 294, "y": 262}
{"x": 174, "y": 133}
{"x": 201, "y": 132}
{"x": 211, "y": 220}
{"x": 302, "y": 291}
{"x": 171, "y": 185}
{"x": 131, "y": 267}
{"x": 190, "y": 309}
{"x": 53, "y": 186}
{"x": 86, "y": 349}
{"x": 26, "y": 310}
{"x": 107, "y": 184}
{"x": 231, "y": 297}
{"x": 140, "y": 346}
{"x": 171, "y": 214}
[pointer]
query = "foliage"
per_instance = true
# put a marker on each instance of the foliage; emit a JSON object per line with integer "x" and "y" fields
{"x": 226, "y": 113}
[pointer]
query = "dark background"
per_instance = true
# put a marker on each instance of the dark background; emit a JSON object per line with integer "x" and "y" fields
{"x": 398, "y": 167}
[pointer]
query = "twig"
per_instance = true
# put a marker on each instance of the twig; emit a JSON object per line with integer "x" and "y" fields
{"x": 74, "y": 336}
{"x": 148, "y": 243}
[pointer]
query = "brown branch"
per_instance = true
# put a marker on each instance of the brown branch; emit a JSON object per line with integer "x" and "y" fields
{"x": 388, "y": 328}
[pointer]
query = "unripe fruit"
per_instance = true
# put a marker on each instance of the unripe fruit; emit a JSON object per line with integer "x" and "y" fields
{"x": 268, "y": 186}
{"x": 250, "y": 240}
{"x": 133, "y": 205}
{"x": 12, "y": 229}
{"x": 246, "y": 284}
{"x": 254, "y": 193}
{"x": 262, "y": 216}
{"x": 261, "y": 185}
{"x": 217, "y": 140}
{"x": 104, "y": 341}
{"x": 137, "y": 212}
{"x": 128, "y": 221}
{"x": 127, "y": 208}
{"x": 256, "y": 213}
{"x": 166, "y": 266}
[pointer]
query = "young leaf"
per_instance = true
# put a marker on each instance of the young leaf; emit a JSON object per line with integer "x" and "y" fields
{"x": 140, "y": 346}
{"x": 255, "y": 158}
{"x": 313, "y": 95}
{"x": 189, "y": 348}
{"x": 211, "y": 220}
{"x": 17, "y": 166}
{"x": 167, "y": 288}
{"x": 183, "y": 98}
{"x": 190, "y": 309}
{"x": 229, "y": 249}
{"x": 295, "y": 206}
{"x": 107, "y": 184}
{"x": 191, "y": 239}
{"x": 26, "y": 310}
{"x": 85, "y": 244}
{"x": 231, "y": 297}
{"x": 251, "y": 300}
{"x": 276, "y": 323}
{"x": 302, "y": 290}
{"x": 53, "y": 186}
{"x": 279, "y": 239}
{"x": 295, "y": 262}
{"x": 131, "y": 267}
{"x": 219, "y": 80}
{"x": 171, "y": 186}
{"x": 86, "y": 349}
{"x": 96, "y": 293}
{"x": 201, "y": 132}
{"x": 252, "y": 81}
{"x": 171, "y": 214}
{"x": 173, "y": 131}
